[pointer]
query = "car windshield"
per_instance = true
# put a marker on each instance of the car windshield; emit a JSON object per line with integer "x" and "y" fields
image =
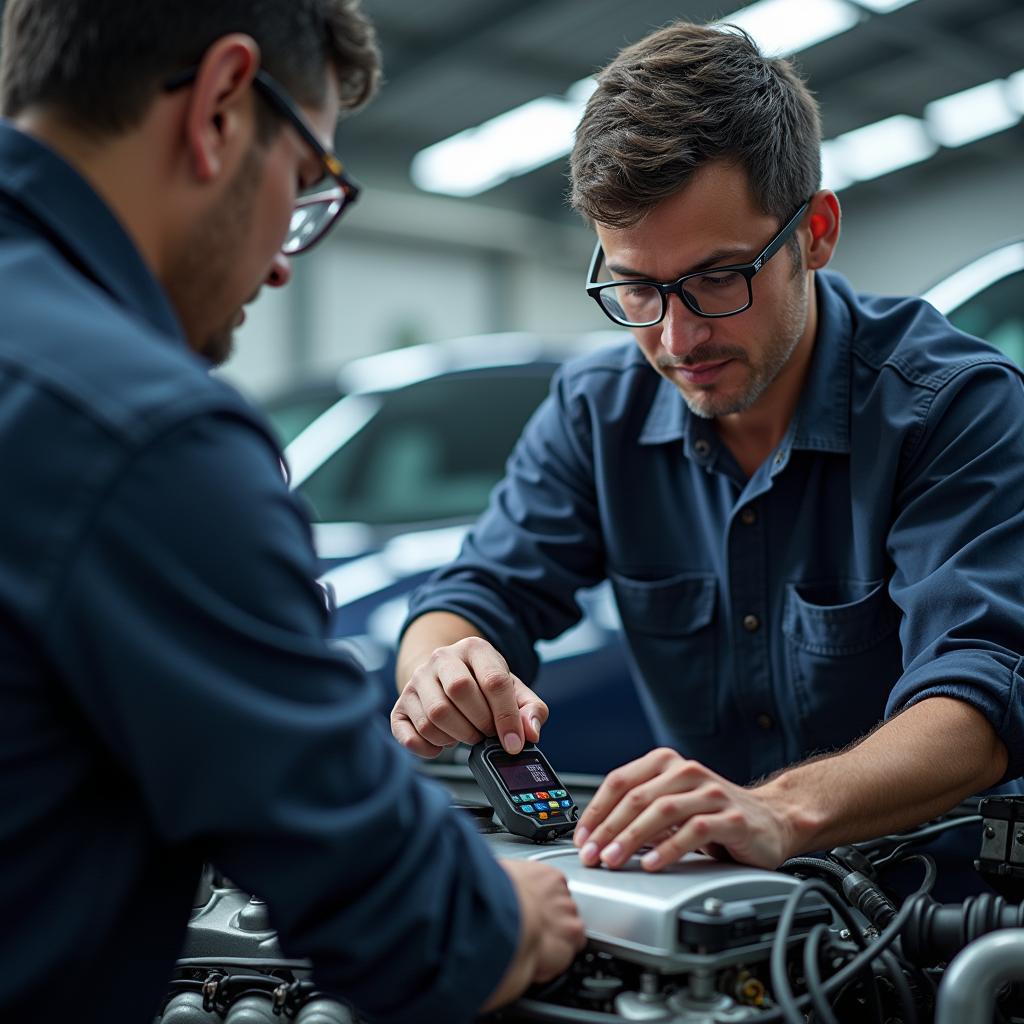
{"x": 433, "y": 451}
{"x": 289, "y": 415}
{"x": 997, "y": 315}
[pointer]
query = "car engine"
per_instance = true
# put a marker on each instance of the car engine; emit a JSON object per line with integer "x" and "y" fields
{"x": 702, "y": 942}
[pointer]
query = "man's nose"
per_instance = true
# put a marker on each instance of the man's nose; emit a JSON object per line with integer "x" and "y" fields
{"x": 682, "y": 330}
{"x": 280, "y": 271}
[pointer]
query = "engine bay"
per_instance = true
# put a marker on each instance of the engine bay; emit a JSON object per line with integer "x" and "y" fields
{"x": 701, "y": 942}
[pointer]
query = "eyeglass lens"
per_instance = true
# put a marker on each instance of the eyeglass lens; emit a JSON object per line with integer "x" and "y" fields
{"x": 637, "y": 304}
{"x": 312, "y": 216}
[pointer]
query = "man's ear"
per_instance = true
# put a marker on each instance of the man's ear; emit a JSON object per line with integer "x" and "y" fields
{"x": 220, "y": 116}
{"x": 821, "y": 228}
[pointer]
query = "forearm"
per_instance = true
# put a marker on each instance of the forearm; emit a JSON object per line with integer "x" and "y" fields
{"x": 424, "y": 636}
{"x": 914, "y": 767}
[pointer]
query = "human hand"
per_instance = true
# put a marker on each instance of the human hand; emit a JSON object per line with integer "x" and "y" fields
{"x": 679, "y": 806}
{"x": 461, "y": 694}
{"x": 550, "y": 931}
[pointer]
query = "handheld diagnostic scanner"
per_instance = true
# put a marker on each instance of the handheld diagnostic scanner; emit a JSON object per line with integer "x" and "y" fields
{"x": 524, "y": 791}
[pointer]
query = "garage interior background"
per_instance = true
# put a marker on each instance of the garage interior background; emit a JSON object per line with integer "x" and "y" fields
{"x": 925, "y": 187}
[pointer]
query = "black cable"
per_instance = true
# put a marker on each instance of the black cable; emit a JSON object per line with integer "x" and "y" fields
{"x": 781, "y": 989}
{"x": 855, "y": 887}
{"x": 900, "y": 984}
{"x": 858, "y": 963}
{"x": 814, "y": 865}
{"x": 812, "y": 974}
{"x": 918, "y": 836}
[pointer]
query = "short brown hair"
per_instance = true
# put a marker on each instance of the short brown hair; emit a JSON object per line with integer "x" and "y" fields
{"x": 680, "y": 98}
{"x": 100, "y": 63}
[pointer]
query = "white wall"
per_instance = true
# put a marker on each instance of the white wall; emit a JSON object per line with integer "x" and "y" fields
{"x": 903, "y": 241}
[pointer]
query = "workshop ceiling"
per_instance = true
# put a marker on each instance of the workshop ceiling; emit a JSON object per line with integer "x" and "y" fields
{"x": 452, "y": 64}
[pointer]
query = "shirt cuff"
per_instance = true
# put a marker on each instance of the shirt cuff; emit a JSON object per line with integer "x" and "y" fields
{"x": 990, "y": 681}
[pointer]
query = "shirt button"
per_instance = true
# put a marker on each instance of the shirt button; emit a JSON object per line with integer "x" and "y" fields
{"x": 701, "y": 447}
{"x": 765, "y": 721}
{"x": 748, "y": 516}
{"x": 751, "y": 623}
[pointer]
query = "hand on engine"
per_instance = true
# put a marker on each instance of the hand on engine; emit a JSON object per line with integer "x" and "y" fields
{"x": 679, "y": 806}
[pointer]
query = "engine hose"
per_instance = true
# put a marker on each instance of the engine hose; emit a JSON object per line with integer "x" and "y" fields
{"x": 935, "y": 932}
{"x": 856, "y": 887}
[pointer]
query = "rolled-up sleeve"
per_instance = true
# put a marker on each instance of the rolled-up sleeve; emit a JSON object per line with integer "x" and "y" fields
{"x": 538, "y": 542}
{"x": 191, "y": 633}
{"x": 957, "y": 546}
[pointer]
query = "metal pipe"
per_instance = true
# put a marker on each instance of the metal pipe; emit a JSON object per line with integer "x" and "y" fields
{"x": 968, "y": 991}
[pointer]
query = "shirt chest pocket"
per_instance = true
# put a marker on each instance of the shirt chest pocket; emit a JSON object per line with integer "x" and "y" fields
{"x": 843, "y": 656}
{"x": 670, "y": 634}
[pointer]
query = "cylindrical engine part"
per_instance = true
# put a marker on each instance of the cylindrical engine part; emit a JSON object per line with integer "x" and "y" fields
{"x": 252, "y": 1010}
{"x": 324, "y": 1011}
{"x": 187, "y": 1008}
{"x": 968, "y": 991}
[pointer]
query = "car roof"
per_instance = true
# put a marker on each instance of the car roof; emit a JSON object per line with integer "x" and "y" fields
{"x": 962, "y": 285}
{"x": 363, "y": 381}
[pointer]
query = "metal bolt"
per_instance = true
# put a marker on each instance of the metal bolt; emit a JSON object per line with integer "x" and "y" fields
{"x": 1019, "y": 838}
{"x": 713, "y": 907}
{"x": 649, "y": 985}
{"x": 844, "y": 934}
{"x": 990, "y": 832}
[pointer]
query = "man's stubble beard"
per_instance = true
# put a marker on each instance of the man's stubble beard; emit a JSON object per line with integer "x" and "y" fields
{"x": 707, "y": 404}
{"x": 197, "y": 277}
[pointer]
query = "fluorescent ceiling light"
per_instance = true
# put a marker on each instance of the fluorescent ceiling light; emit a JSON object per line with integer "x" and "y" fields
{"x": 782, "y": 27}
{"x": 883, "y": 6}
{"x": 513, "y": 143}
{"x": 972, "y": 114}
{"x": 882, "y": 147}
{"x": 1015, "y": 90}
{"x": 833, "y": 175}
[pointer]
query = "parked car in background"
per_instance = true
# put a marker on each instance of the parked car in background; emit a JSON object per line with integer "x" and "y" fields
{"x": 293, "y": 408}
{"x": 986, "y": 298}
{"x": 397, "y": 469}
{"x": 394, "y": 474}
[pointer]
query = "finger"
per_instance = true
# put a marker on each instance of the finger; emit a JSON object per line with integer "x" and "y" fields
{"x": 715, "y": 830}
{"x": 426, "y": 691}
{"x": 664, "y": 812}
{"x": 498, "y": 688}
{"x": 533, "y": 712}
{"x": 404, "y": 731}
{"x": 460, "y": 687}
{"x": 617, "y": 784}
{"x": 435, "y": 719}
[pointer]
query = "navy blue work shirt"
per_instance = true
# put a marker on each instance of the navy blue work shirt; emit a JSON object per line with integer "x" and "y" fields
{"x": 167, "y": 695}
{"x": 873, "y": 560}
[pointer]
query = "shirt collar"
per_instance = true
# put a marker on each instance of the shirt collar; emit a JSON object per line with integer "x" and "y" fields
{"x": 822, "y": 420}
{"x": 81, "y": 225}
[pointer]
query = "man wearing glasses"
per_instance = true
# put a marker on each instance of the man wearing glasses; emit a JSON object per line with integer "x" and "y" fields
{"x": 808, "y": 502}
{"x": 167, "y": 695}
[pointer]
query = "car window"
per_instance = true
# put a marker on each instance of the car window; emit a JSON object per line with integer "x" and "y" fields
{"x": 997, "y": 315}
{"x": 433, "y": 451}
{"x": 289, "y": 416}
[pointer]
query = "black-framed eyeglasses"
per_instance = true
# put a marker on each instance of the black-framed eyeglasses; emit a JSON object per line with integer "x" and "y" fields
{"x": 317, "y": 208}
{"x": 722, "y": 291}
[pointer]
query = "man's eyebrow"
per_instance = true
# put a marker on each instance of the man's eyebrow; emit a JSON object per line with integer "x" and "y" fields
{"x": 716, "y": 257}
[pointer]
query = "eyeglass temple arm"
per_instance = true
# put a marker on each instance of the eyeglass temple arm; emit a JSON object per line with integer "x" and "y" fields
{"x": 782, "y": 237}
